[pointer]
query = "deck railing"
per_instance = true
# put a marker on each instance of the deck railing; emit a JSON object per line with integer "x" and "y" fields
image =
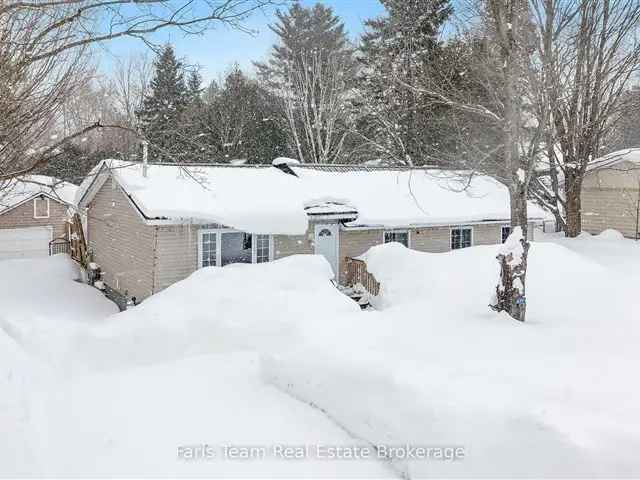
{"x": 357, "y": 273}
{"x": 59, "y": 245}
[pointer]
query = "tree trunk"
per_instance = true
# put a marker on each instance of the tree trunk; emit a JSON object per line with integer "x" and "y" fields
{"x": 573, "y": 187}
{"x": 560, "y": 223}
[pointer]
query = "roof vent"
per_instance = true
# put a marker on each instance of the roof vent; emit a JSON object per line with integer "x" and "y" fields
{"x": 285, "y": 164}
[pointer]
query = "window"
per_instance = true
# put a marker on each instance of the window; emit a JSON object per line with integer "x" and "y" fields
{"x": 506, "y": 231}
{"x": 219, "y": 247}
{"x": 397, "y": 236}
{"x": 235, "y": 248}
{"x": 262, "y": 248}
{"x": 460, "y": 238}
{"x": 41, "y": 207}
{"x": 209, "y": 249}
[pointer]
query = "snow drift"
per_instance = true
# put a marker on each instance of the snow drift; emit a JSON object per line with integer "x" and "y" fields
{"x": 261, "y": 307}
{"x": 435, "y": 366}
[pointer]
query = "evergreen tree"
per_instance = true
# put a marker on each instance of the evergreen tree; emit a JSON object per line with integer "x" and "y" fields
{"x": 303, "y": 32}
{"x": 397, "y": 51}
{"x": 311, "y": 68}
{"x": 194, "y": 88}
{"x": 240, "y": 121}
{"x": 162, "y": 109}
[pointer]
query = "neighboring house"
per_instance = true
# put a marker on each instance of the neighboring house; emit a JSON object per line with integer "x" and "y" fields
{"x": 611, "y": 194}
{"x": 151, "y": 226}
{"x": 33, "y": 211}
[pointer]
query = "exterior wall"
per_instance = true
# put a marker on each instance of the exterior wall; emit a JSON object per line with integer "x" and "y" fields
{"x": 122, "y": 244}
{"x": 604, "y": 208}
{"x": 22, "y": 217}
{"x": 177, "y": 254}
{"x": 285, "y": 245}
{"x": 354, "y": 243}
{"x": 610, "y": 199}
{"x": 431, "y": 239}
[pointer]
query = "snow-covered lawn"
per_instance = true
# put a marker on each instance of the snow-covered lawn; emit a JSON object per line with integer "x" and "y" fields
{"x": 261, "y": 355}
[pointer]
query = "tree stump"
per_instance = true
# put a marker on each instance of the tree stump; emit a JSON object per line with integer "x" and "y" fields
{"x": 510, "y": 291}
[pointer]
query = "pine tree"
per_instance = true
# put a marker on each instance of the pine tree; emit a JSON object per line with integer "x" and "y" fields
{"x": 240, "y": 121}
{"x": 303, "y": 32}
{"x": 311, "y": 70}
{"x": 194, "y": 88}
{"x": 162, "y": 109}
{"x": 397, "y": 51}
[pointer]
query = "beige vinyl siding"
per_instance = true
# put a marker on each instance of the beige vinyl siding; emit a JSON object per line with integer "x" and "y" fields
{"x": 285, "y": 245}
{"x": 610, "y": 199}
{"x": 22, "y": 216}
{"x": 177, "y": 253}
{"x": 122, "y": 244}
{"x": 431, "y": 239}
{"x": 604, "y": 208}
{"x": 354, "y": 243}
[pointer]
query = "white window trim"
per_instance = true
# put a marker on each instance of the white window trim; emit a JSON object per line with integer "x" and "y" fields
{"x": 35, "y": 208}
{"x": 398, "y": 230}
{"x": 502, "y": 227}
{"x": 254, "y": 248}
{"x": 219, "y": 232}
{"x": 467, "y": 227}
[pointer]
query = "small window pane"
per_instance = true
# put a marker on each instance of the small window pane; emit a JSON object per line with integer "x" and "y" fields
{"x": 209, "y": 250}
{"x": 506, "y": 231}
{"x": 400, "y": 237}
{"x": 236, "y": 248}
{"x": 262, "y": 248}
{"x": 460, "y": 238}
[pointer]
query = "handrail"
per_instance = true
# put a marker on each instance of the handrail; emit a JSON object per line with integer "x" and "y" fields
{"x": 357, "y": 273}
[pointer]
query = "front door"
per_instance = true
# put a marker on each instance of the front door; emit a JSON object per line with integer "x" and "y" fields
{"x": 326, "y": 241}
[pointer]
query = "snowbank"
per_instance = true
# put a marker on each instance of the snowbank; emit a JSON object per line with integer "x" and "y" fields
{"x": 43, "y": 307}
{"x": 610, "y": 234}
{"x": 179, "y": 372}
{"x": 435, "y": 366}
{"x": 261, "y": 354}
{"x": 260, "y": 307}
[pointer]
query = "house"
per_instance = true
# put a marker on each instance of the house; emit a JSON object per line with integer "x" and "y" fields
{"x": 149, "y": 226}
{"x": 610, "y": 194}
{"x": 33, "y": 212}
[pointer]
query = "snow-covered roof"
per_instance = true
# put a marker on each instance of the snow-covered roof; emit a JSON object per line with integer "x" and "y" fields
{"x": 408, "y": 197}
{"x": 266, "y": 199}
{"x": 631, "y": 155}
{"x": 22, "y": 189}
{"x": 257, "y": 199}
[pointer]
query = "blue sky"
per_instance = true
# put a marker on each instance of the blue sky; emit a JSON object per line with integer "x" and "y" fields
{"x": 217, "y": 50}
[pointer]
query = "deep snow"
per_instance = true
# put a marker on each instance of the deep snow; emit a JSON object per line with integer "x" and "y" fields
{"x": 261, "y": 354}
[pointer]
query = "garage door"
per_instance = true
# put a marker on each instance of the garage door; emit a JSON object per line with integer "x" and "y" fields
{"x": 24, "y": 242}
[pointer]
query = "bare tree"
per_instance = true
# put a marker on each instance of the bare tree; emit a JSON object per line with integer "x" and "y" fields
{"x": 589, "y": 51}
{"x": 316, "y": 107}
{"x": 130, "y": 83}
{"x": 503, "y": 99}
{"x": 43, "y": 48}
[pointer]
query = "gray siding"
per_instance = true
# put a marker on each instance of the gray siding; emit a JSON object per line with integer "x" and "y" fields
{"x": 122, "y": 244}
